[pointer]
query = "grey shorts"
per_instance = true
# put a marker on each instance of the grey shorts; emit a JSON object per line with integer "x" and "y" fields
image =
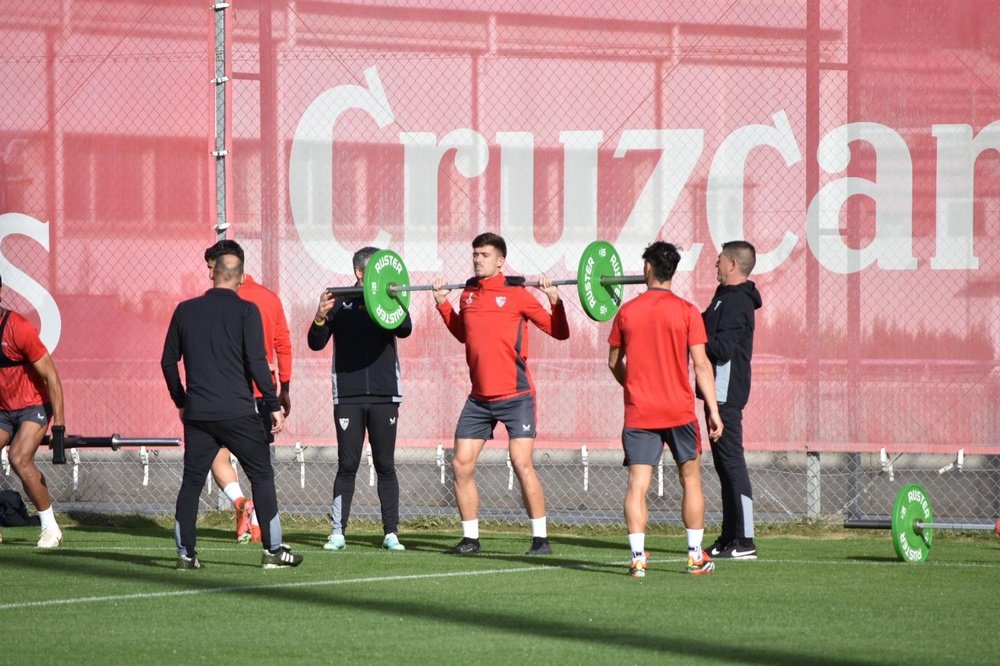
{"x": 645, "y": 447}
{"x": 478, "y": 418}
{"x": 12, "y": 420}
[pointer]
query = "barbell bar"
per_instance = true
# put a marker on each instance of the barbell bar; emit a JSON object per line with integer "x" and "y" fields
{"x": 912, "y": 524}
{"x": 386, "y": 285}
{"x": 60, "y": 442}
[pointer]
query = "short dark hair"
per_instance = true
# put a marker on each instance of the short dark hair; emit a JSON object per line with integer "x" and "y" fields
{"x": 743, "y": 253}
{"x": 490, "y": 238}
{"x": 228, "y": 270}
{"x": 663, "y": 257}
{"x": 222, "y": 247}
{"x": 361, "y": 257}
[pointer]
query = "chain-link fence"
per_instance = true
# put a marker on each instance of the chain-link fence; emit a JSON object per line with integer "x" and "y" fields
{"x": 850, "y": 142}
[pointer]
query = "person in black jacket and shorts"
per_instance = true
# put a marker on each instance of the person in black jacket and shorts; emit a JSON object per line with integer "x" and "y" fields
{"x": 729, "y": 323}
{"x": 220, "y": 338}
{"x": 367, "y": 390}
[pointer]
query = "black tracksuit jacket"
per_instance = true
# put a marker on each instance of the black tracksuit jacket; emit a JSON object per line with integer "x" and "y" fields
{"x": 729, "y": 323}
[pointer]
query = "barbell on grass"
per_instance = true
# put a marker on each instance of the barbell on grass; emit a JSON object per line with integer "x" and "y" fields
{"x": 59, "y": 442}
{"x": 912, "y": 524}
{"x": 386, "y": 285}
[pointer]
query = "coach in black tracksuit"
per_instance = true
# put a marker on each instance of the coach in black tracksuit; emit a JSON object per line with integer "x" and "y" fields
{"x": 219, "y": 336}
{"x": 367, "y": 391}
{"x": 729, "y": 323}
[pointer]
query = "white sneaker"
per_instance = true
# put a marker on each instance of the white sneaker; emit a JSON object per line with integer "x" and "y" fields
{"x": 391, "y": 542}
{"x": 335, "y": 542}
{"x": 51, "y": 538}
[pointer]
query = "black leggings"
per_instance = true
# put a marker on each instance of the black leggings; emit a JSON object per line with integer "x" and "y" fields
{"x": 352, "y": 422}
{"x": 734, "y": 479}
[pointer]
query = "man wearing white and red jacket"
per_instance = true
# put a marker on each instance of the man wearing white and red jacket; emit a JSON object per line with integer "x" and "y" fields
{"x": 492, "y": 321}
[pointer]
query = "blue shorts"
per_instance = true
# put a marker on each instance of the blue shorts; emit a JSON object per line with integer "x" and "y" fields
{"x": 645, "y": 447}
{"x": 12, "y": 420}
{"x": 479, "y": 418}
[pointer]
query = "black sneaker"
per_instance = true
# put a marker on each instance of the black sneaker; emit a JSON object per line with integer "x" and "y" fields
{"x": 539, "y": 546}
{"x": 717, "y": 547}
{"x": 466, "y": 546}
{"x": 283, "y": 558}
{"x": 738, "y": 551}
{"x": 184, "y": 563}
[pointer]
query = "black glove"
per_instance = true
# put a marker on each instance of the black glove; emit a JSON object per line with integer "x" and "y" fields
{"x": 58, "y": 444}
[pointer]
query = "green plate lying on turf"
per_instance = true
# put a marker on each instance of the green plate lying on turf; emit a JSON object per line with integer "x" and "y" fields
{"x": 386, "y": 269}
{"x": 912, "y": 504}
{"x": 599, "y": 259}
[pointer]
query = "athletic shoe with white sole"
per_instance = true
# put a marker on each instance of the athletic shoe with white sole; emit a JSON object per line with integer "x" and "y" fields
{"x": 335, "y": 542}
{"x": 282, "y": 558}
{"x": 50, "y": 538}
{"x": 391, "y": 542}
{"x": 717, "y": 547}
{"x": 738, "y": 551}
{"x": 701, "y": 567}
{"x": 638, "y": 568}
{"x": 184, "y": 563}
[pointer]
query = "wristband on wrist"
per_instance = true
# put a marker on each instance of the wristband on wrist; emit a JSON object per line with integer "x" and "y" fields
{"x": 319, "y": 321}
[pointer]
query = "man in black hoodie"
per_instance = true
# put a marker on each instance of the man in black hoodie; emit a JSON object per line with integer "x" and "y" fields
{"x": 367, "y": 391}
{"x": 729, "y": 323}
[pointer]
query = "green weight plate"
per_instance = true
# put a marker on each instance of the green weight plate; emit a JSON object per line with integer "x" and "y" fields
{"x": 912, "y": 504}
{"x": 599, "y": 259}
{"x": 386, "y": 268}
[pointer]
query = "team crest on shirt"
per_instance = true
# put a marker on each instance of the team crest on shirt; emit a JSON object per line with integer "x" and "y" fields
{"x": 344, "y": 423}
{"x": 468, "y": 301}
{"x": 501, "y": 300}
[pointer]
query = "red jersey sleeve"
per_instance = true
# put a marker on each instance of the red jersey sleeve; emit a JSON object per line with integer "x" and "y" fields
{"x": 554, "y": 323}
{"x": 26, "y": 340}
{"x": 282, "y": 343}
{"x": 696, "y": 328}
{"x": 453, "y": 320}
{"x": 615, "y": 336}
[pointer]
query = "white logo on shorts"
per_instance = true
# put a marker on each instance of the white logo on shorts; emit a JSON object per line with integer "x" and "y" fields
{"x": 348, "y": 305}
{"x": 344, "y": 423}
{"x": 392, "y": 420}
{"x": 501, "y": 300}
{"x": 525, "y": 427}
{"x": 40, "y": 415}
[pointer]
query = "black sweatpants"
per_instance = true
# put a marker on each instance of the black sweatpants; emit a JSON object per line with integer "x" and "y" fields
{"x": 731, "y": 466}
{"x": 246, "y": 438}
{"x": 353, "y": 421}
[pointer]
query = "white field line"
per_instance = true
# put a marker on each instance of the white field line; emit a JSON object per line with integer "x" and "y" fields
{"x": 270, "y": 586}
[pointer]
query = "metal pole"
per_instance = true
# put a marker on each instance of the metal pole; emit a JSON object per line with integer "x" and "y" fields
{"x": 221, "y": 150}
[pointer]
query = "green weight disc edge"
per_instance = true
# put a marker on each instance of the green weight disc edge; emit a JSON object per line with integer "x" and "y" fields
{"x": 905, "y": 514}
{"x": 610, "y": 297}
{"x": 380, "y": 296}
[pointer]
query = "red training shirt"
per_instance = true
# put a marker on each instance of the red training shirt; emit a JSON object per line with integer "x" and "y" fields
{"x": 492, "y": 321}
{"x": 655, "y": 331}
{"x": 276, "y": 337}
{"x": 20, "y": 385}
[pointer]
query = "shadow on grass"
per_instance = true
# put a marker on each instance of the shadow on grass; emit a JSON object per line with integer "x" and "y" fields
{"x": 661, "y": 643}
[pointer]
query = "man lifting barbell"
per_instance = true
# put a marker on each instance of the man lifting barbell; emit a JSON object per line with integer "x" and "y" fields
{"x": 30, "y": 396}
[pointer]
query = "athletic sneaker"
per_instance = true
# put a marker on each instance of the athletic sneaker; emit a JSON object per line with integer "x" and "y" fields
{"x": 335, "y": 542}
{"x": 184, "y": 563}
{"x": 738, "y": 551}
{"x": 283, "y": 558}
{"x": 638, "y": 568}
{"x": 391, "y": 542}
{"x": 466, "y": 546}
{"x": 717, "y": 547}
{"x": 539, "y": 546}
{"x": 701, "y": 567}
{"x": 50, "y": 538}
{"x": 244, "y": 513}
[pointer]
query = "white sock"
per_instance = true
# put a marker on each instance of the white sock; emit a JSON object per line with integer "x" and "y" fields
{"x": 538, "y": 528}
{"x": 637, "y": 542}
{"x": 233, "y": 491}
{"x": 694, "y": 538}
{"x": 470, "y": 528}
{"x": 48, "y": 518}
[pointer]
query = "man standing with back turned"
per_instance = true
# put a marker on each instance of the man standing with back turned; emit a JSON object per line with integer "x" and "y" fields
{"x": 729, "y": 323}
{"x": 219, "y": 336}
{"x": 492, "y": 321}
{"x": 656, "y": 331}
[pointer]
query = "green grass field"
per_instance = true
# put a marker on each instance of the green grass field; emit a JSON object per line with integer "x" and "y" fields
{"x": 110, "y": 594}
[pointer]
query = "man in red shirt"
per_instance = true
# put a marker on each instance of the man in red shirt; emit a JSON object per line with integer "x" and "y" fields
{"x": 492, "y": 321}
{"x": 277, "y": 342}
{"x": 30, "y": 395}
{"x": 656, "y": 331}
